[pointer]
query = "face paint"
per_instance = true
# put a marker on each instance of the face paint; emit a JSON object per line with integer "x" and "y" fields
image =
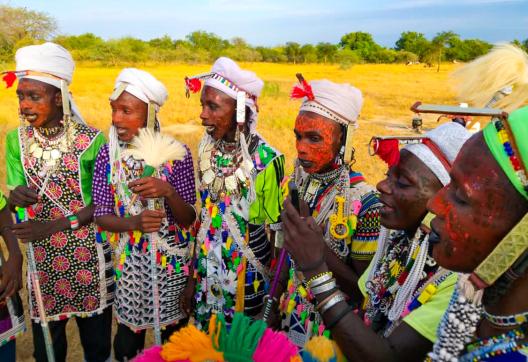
{"x": 475, "y": 211}
{"x": 318, "y": 140}
{"x": 129, "y": 114}
{"x": 39, "y": 103}
{"x": 218, "y": 114}
{"x": 405, "y": 192}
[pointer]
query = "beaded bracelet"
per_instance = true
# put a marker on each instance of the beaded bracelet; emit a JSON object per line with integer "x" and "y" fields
{"x": 336, "y": 299}
{"x": 513, "y": 320}
{"x": 324, "y": 287}
{"x": 319, "y": 279}
{"x": 338, "y": 317}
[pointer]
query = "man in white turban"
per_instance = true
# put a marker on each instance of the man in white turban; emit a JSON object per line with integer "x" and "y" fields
{"x": 342, "y": 204}
{"x": 240, "y": 176}
{"x": 50, "y": 162}
{"x": 135, "y": 102}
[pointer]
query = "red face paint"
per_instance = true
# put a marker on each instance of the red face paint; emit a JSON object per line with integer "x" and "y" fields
{"x": 318, "y": 140}
{"x": 38, "y": 103}
{"x": 473, "y": 210}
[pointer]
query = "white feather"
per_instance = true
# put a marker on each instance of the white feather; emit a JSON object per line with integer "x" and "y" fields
{"x": 155, "y": 148}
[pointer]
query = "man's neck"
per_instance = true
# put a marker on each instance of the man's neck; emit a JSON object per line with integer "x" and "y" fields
{"x": 514, "y": 301}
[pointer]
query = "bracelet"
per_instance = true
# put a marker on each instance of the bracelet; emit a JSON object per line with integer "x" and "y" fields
{"x": 338, "y": 317}
{"x": 324, "y": 287}
{"x": 74, "y": 222}
{"x": 336, "y": 299}
{"x": 319, "y": 279}
{"x": 319, "y": 305}
{"x": 327, "y": 299}
{"x": 312, "y": 266}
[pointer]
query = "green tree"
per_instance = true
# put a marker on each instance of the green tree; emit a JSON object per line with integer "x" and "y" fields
{"x": 21, "y": 26}
{"x": 440, "y": 42}
{"x": 326, "y": 52}
{"x": 165, "y": 42}
{"x": 292, "y": 51}
{"x": 210, "y": 42}
{"x": 308, "y": 53}
{"x": 413, "y": 42}
{"x": 273, "y": 55}
{"x": 361, "y": 42}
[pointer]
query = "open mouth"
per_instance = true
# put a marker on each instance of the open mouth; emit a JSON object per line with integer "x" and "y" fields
{"x": 30, "y": 117}
{"x": 121, "y": 131}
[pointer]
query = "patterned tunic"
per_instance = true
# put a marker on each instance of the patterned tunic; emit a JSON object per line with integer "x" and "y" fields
{"x": 300, "y": 319}
{"x": 233, "y": 251}
{"x": 134, "y": 303}
{"x": 75, "y": 271}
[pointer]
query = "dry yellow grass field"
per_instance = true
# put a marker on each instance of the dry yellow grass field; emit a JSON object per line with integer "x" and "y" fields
{"x": 389, "y": 91}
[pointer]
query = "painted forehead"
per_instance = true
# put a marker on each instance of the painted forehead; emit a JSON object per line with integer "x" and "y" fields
{"x": 476, "y": 171}
{"x": 309, "y": 121}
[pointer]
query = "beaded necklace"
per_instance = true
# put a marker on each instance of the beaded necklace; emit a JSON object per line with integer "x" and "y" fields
{"x": 487, "y": 348}
{"x": 397, "y": 278}
{"x": 169, "y": 249}
{"x": 223, "y": 171}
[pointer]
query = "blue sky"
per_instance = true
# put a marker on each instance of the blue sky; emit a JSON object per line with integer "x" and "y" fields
{"x": 274, "y": 22}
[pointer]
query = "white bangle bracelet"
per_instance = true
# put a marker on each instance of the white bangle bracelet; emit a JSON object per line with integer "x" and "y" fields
{"x": 333, "y": 301}
{"x": 324, "y": 287}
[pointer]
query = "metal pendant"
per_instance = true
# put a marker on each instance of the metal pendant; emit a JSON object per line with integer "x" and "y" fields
{"x": 218, "y": 184}
{"x": 37, "y": 153}
{"x": 231, "y": 183}
{"x": 33, "y": 147}
{"x": 55, "y": 154}
{"x": 208, "y": 177}
{"x": 240, "y": 174}
{"x": 205, "y": 164}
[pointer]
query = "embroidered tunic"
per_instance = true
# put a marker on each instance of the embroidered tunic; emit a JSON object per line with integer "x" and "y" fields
{"x": 134, "y": 304}
{"x": 75, "y": 271}
{"x": 360, "y": 211}
{"x": 233, "y": 250}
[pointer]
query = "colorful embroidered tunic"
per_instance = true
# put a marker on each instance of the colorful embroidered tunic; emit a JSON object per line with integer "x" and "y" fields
{"x": 134, "y": 304}
{"x": 233, "y": 250}
{"x": 11, "y": 311}
{"x": 75, "y": 271}
{"x": 344, "y": 193}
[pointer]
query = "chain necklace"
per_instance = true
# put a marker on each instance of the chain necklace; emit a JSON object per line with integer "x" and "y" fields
{"x": 48, "y": 150}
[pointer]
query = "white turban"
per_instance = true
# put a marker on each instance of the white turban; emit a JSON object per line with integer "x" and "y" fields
{"x": 49, "y": 63}
{"x": 339, "y": 102}
{"x": 142, "y": 85}
{"x": 447, "y": 140}
{"x": 229, "y": 78}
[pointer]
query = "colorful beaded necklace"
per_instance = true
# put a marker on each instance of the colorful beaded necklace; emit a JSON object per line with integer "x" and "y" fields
{"x": 487, "y": 348}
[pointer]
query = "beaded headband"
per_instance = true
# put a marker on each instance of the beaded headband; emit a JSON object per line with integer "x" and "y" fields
{"x": 304, "y": 90}
{"x": 194, "y": 84}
